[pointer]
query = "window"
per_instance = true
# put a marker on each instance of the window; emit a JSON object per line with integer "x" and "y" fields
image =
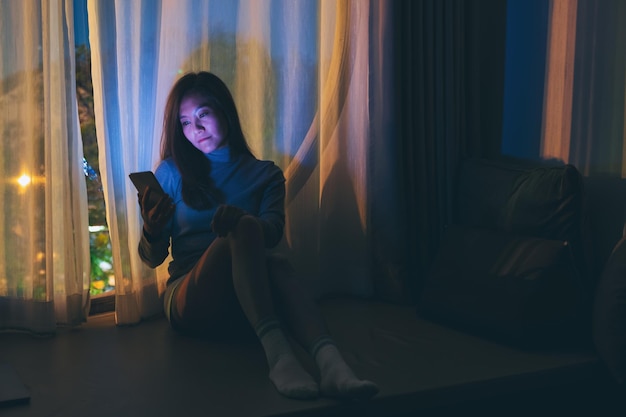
{"x": 102, "y": 278}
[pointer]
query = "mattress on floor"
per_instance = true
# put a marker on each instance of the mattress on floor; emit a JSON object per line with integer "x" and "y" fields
{"x": 422, "y": 364}
{"x": 104, "y": 370}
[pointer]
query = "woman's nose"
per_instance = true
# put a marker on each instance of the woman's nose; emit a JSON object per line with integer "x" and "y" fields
{"x": 199, "y": 127}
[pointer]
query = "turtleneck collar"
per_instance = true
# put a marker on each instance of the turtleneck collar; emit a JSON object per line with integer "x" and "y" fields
{"x": 219, "y": 155}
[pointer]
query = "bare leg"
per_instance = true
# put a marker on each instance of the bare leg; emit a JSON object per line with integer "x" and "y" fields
{"x": 309, "y": 329}
{"x": 238, "y": 262}
{"x": 249, "y": 271}
{"x": 299, "y": 310}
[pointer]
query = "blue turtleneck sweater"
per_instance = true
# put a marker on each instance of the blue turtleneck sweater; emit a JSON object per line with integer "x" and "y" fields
{"x": 258, "y": 187}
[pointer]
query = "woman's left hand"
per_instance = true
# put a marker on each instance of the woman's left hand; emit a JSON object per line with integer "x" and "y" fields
{"x": 225, "y": 219}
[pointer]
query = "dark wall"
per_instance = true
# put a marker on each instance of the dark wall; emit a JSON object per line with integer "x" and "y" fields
{"x": 526, "y": 33}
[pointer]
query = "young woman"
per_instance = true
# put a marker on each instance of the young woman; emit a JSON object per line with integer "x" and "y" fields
{"x": 222, "y": 210}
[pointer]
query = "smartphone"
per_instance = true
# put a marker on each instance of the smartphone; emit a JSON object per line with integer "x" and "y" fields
{"x": 146, "y": 178}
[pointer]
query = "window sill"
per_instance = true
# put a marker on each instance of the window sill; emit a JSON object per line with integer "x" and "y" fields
{"x": 102, "y": 303}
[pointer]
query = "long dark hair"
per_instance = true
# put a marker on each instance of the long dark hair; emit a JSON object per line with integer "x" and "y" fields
{"x": 193, "y": 165}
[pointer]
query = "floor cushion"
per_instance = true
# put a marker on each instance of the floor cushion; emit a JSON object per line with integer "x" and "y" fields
{"x": 516, "y": 289}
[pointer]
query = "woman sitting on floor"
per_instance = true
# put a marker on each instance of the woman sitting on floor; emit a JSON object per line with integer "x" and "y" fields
{"x": 222, "y": 209}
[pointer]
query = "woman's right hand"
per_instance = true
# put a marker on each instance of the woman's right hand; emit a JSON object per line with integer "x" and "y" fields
{"x": 225, "y": 219}
{"x": 155, "y": 215}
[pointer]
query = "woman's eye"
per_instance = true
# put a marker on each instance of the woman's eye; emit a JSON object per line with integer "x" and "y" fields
{"x": 185, "y": 123}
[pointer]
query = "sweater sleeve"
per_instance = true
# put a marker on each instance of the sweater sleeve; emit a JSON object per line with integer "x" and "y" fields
{"x": 272, "y": 208}
{"x": 154, "y": 250}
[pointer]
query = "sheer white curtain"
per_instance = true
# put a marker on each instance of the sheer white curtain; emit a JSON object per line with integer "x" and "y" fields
{"x": 299, "y": 72}
{"x": 44, "y": 241}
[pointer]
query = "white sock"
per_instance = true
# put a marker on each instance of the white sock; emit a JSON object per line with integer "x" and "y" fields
{"x": 337, "y": 378}
{"x": 286, "y": 372}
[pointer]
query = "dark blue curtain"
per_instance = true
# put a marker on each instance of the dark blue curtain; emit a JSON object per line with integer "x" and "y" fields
{"x": 445, "y": 105}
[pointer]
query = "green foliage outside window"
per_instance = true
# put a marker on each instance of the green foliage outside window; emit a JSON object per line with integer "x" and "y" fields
{"x": 102, "y": 279}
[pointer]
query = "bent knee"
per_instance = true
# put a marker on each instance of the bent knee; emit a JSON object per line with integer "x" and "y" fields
{"x": 248, "y": 228}
{"x": 249, "y": 225}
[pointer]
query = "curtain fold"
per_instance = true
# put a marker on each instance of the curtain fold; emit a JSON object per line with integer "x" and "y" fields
{"x": 44, "y": 250}
{"x": 299, "y": 73}
{"x": 387, "y": 219}
{"x": 433, "y": 116}
{"x": 598, "y": 128}
{"x": 572, "y": 103}
{"x": 450, "y": 68}
{"x": 124, "y": 68}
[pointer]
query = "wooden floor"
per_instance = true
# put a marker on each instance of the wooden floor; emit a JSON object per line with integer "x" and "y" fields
{"x": 148, "y": 370}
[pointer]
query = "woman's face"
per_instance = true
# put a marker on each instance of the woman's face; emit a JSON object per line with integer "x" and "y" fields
{"x": 203, "y": 126}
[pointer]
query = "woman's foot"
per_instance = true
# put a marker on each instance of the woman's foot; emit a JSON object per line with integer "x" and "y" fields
{"x": 286, "y": 372}
{"x": 338, "y": 379}
{"x": 291, "y": 380}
